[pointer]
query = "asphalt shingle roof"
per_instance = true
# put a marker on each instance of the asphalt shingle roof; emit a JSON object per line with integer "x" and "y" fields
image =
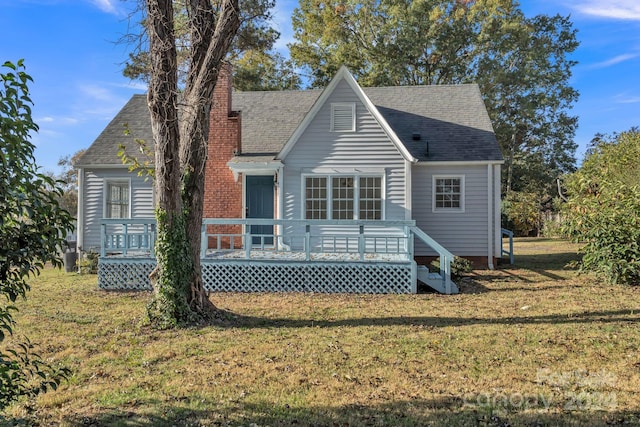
{"x": 135, "y": 117}
{"x": 452, "y": 122}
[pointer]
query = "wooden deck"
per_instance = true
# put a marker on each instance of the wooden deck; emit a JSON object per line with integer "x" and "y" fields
{"x": 298, "y": 256}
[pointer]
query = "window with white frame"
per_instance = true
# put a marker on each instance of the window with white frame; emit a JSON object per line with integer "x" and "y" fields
{"x": 448, "y": 193}
{"x": 343, "y": 117}
{"x": 343, "y": 197}
{"x": 117, "y": 199}
{"x": 370, "y": 197}
{"x": 316, "y": 197}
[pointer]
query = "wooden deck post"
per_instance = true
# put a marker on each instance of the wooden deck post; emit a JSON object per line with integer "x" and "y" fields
{"x": 307, "y": 242}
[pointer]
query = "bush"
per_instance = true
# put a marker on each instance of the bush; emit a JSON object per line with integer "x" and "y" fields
{"x": 88, "y": 263}
{"x": 603, "y": 206}
{"x": 32, "y": 224}
{"x": 522, "y": 211}
{"x": 460, "y": 267}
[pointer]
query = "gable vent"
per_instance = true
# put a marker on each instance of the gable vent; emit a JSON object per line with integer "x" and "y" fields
{"x": 343, "y": 117}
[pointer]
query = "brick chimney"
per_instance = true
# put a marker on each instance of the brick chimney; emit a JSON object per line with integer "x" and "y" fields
{"x": 222, "y": 194}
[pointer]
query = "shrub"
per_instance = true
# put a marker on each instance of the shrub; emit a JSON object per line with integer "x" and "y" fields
{"x": 460, "y": 267}
{"x": 603, "y": 206}
{"x": 88, "y": 263}
{"x": 522, "y": 211}
{"x": 31, "y": 225}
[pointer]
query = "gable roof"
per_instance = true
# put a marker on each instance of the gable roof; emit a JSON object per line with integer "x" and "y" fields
{"x": 452, "y": 122}
{"x": 344, "y": 74}
{"x": 135, "y": 117}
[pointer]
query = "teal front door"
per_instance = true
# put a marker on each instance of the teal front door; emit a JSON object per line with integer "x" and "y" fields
{"x": 259, "y": 204}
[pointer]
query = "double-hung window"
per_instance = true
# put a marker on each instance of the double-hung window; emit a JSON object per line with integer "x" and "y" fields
{"x": 343, "y": 197}
{"x": 316, "y": 197}
{"x": 448, "y": 193}
{"x": 370, "y": 197}
{"x": 117, "y": 199}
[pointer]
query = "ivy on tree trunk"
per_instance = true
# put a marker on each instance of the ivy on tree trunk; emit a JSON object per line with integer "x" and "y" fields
{"x": 181, "y": 150}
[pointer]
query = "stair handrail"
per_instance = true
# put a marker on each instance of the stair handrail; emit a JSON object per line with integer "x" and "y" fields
{"x": 509, "y": 252}
{"x": 446, "y": 257}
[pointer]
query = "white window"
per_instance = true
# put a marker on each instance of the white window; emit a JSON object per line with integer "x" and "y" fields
{"x": 117, "y": 199}
{"x": 370, "y": 197}
{"x": 448, "y": 193}
{"x": 343, "y": 117}
{"x": 316, "y": 197}
{"x": 343, "y": 197}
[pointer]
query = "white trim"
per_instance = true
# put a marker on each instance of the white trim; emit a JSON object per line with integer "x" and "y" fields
{"x": 106, "y": 166}
{"x": 434, "y": 209}
{"x": 343, "y": 171}
{"x": 344, "y": 74}
{"x": 490, "y": 203}
{"x": 279, "y": 195}
{"x": 80, "y": 211}
{"x": 279, "y": 214}
{"x": 460, "y": 163}
{"x": 257, "y": 168}
{"x": 105, "y": 193}
{"x": 338, "y": 105}
{"x": 497, "y": 217}
{"x": 356, "y": 193}
{"x": 408, "y": 190}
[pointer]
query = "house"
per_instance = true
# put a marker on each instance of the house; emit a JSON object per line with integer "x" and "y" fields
{"x": 415, "y": 157}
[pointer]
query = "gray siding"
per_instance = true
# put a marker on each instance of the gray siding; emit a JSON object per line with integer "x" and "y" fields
{"x": 369, "y": 148}
{"x": 462, "y": 233}
{"x": 94, "y": 181}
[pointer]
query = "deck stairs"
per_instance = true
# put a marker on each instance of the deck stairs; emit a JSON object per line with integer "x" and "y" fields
{"x": 435, "y": 281}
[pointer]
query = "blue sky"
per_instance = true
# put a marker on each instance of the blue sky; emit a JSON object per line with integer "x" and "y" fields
{"x": 69, "y": 49}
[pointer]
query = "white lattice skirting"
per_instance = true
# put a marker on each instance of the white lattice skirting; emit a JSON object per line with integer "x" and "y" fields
{"x": 271, "y": 276}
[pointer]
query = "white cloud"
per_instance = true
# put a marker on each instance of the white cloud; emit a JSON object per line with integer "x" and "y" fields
{"x": 282, "y": 22}
{"x": 136, "y": 85}
{"x": 623, "y": 98}
{"x": 105, "y": 6}
{"x": 613, "y": 9}
{"x": 615, "y": 60}
{"x": 96, "y": 92}
{"x": 52, "y": 120}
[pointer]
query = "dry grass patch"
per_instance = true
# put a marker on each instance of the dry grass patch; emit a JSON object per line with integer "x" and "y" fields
{"x": 530, "y": 344}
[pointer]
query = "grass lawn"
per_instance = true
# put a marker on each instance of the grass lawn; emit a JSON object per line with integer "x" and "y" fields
{"x": 526, "y": 345}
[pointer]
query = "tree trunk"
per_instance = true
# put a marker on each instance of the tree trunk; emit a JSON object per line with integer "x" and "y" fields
{"x": 181, "y": 151}
{"x": 511, "y": 154}
{"x": 209, "y": 46}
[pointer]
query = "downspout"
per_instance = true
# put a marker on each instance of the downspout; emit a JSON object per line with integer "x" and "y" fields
{"x": 279, "y": 198}
{"x": 497, "y": 219}
{"x": 408, "y": 190}
{"x": 280, "y": 201}
{"x": 80, "y": 211}
{"x": 490, "y": 216}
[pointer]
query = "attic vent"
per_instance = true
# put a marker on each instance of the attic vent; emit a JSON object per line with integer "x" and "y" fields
{"x": 416, "y": 136}
{"x": 343, "y": 117}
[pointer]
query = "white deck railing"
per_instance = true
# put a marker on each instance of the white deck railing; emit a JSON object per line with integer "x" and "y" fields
{"x": 359, "y": 239}
{"x": 127, "y": 235}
